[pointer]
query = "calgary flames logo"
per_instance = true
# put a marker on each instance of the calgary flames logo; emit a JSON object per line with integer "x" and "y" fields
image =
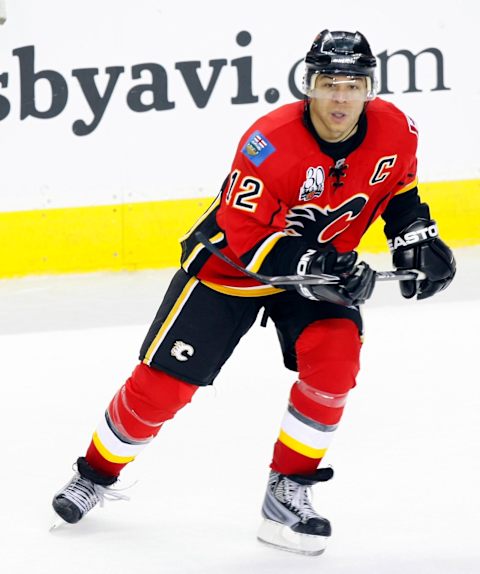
{"x": 182, "y": 351}
{"x": 322, "y": 224}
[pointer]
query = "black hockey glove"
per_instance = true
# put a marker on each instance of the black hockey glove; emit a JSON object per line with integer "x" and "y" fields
{"x": 419, "y": 247}
{"x": 356, "y": 280}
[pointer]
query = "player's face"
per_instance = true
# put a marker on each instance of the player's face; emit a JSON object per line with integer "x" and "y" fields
{"x": 336, "y": 104}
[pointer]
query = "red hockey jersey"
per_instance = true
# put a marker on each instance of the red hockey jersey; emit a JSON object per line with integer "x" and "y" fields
{"x": 282, "y": 185}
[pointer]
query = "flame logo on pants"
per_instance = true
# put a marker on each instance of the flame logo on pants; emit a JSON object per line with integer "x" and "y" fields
{"x": 182, "y": 351}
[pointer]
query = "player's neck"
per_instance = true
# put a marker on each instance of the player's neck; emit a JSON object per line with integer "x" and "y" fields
{"x": 338, "y": 149}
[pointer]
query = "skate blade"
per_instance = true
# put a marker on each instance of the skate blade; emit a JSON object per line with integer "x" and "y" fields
{"x": 57, "y": 523}
{"x": 282, "y": 537}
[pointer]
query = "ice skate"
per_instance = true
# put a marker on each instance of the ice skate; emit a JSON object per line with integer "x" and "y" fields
{"x": 85, "y": 490}
{"x": 290, "y": 522}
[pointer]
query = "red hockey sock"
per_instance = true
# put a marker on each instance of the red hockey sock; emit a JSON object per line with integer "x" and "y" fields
{"x": 328, "y": 361}
{"x": 134, "y": 417}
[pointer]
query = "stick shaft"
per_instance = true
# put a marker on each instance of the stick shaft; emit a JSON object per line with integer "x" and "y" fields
{"x": 286, "y": 280}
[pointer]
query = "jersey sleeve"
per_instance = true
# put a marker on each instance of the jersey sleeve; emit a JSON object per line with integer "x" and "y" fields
{"x": 409, "y": 133}
{"x": 405, "y": 206}
{"x": 402, "y": 210}
{"x": 252, "y": 215}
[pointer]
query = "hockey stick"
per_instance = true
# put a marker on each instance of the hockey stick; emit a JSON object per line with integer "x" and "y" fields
{"x": 268, "y": 279}
{"x": 399, "y": 275}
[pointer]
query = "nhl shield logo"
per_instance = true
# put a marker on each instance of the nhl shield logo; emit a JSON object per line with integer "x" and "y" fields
{"x": 313, "y": 185}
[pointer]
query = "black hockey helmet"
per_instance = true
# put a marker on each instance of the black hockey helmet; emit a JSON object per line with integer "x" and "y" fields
{"x": 340, "y": 53}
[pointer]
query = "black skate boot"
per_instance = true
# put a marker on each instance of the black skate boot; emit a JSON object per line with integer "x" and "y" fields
{"x": 87, "y": 488}
{"x": 290, "y": 522}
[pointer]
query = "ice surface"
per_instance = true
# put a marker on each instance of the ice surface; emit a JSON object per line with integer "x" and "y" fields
{"x": 405, "y": 498}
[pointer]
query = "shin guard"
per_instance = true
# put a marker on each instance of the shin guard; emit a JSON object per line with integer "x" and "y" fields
{"x": 328, "y": 359}
{"x": 134, "y": 417}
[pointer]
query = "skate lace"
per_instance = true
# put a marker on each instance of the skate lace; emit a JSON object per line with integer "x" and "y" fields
{"x": 86, "y": 494}
{"x": 297, "y": 499}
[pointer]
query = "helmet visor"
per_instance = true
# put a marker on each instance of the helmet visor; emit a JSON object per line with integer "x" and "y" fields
{"x": 339, "y": 88}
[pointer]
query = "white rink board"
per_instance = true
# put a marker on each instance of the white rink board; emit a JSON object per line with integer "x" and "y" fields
{"x": 186, "y": 151}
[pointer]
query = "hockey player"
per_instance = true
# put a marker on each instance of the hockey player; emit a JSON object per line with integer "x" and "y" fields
{"x": 307, "y": 181}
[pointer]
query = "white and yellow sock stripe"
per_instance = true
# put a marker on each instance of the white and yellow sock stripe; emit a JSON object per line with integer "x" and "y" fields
{"x": 112, "y": 448}
{"x": 304, "y": 435}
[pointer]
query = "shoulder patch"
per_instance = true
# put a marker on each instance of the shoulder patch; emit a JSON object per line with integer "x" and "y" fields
{"x": 412, "y": 126}
{"x": 258, "y": 148}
